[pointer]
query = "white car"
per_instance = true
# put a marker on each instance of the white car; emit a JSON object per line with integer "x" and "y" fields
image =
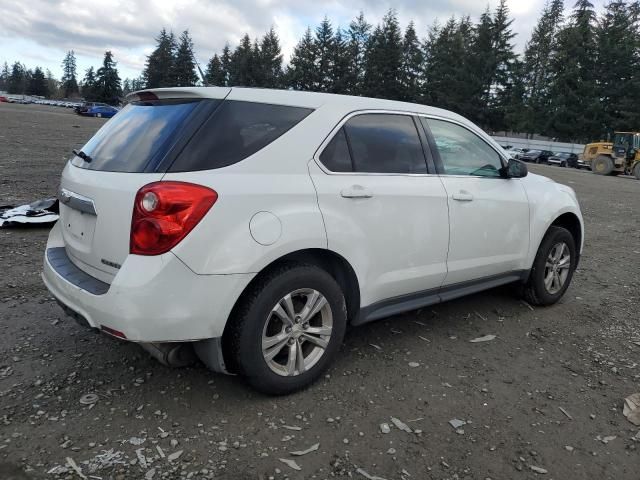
{"x": 256, "y": 224}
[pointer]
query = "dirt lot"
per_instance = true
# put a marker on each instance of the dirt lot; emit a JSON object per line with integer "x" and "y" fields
{"x": 581, "y": 355}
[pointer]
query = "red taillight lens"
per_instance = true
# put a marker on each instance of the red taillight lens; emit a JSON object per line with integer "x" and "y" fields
{"x": 165, "y": 212}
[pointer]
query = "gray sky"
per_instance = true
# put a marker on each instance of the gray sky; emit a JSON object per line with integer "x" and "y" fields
{"x": 39, "y": 32}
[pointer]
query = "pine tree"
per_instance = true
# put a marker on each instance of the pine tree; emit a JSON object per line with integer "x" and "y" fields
{"x": 537, "y": 69}
{"x": 4, "y": 77}
{"x": 159, "y": 69}
{"x": 215, "y": 74}
{"x": 481, "y": 61}
{"x": 52, "y": 84}
{"x": 342, "y": 82}
{"x": 89, "y": 87}
{"x": 618, "y": 67}
{"x": 270, "y": 60}
{"x": 108, "y": 88}
{"x": 358, "y": 39}
{"x": 184, "y": 67}
{"x": 324, "y": 48}
{"x": 242, "y": 64}
{"x": 300, "y": 72}
{"x": 38, "y": 83}
{"x": 126, "y": 87}
{"x": 18, "y": 79}
{"x": 412, "y": 65}
{"x": 69, "y": 74}
{"x": 384, "y": 60}
{"x": 574, "y": 112}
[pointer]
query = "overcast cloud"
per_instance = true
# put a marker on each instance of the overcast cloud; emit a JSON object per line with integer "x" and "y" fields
{"x": 39, "y": 32}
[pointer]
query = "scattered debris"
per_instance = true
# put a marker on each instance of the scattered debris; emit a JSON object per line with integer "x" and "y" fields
{"x": 456, "y": 424}
{"x": 480, "y": 316}
{"x": 486, "y": 338}
{"x": 290, "y": 464}
{"x": 39, "y": 212}
{"x": 631, "y": 408}
{"x": 367, "y": 476}
{"x": 385, "y": 428}
{"x": 377, "y": 347}
{"x": 568, "y": 448}
{"x": 174, "y": 455}
{"x": 414, "y": 364}
{"x": 150, "y": 473}
{"x": 289, "y": 427}
{"x": 312, "y": 448}
{"x": 539, "y": 470}
{"x": 136, "y": 441}
{"x": 89, "y": 399}
{"x": 401, "y": 425}
{"x": 76, "y": 468}
{"x": 160, "y": 451}
{"x": 608, "y": 438}
{"x": 527, "y": 305}
{"x": 423, "y": 338}
{"x": 141, "y": 458}
{"x": 566, "y": 413}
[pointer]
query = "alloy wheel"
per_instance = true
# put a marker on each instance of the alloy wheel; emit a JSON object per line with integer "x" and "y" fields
{"x": 297, "y": 332}
{"x": 556, "y": 269}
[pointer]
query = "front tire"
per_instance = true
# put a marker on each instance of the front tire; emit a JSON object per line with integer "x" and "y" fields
{"x": 288, "y": 328}
{"x": 602, "y": 165}
{"x": 553, "y": 268}
{"x": 636, "y": 171}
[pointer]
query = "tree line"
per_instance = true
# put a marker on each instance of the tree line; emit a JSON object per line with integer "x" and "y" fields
{"x": 578, "y": 78}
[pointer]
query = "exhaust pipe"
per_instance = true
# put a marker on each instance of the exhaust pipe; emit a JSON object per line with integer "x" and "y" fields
{"x": 177, "y": 354}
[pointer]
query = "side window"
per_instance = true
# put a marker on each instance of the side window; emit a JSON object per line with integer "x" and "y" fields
{"x": 336, "y": 156}
{"x": 236, "y": 131}
{"x": 463, "y": 152}
{"x": 385, "y": 143}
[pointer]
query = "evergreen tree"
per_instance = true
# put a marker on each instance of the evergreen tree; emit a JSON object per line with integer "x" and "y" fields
{"x": 618, "y": 66}
{"x": 69, "y": 74}
{"x": 89, "y": 87}
{"x": 137, "y": 84}
{"x": 384, "y": 60}
{"x": 342, "y": 81}
{"x": 38, "y": 83}
{"x": 270, "y": 60}
{"x": 300, "y": 72}
{"x": 537, "y": 69}
{"x": 358, "y": 39}
{"x": 108, "y": 88}
{"x": 412, "y": 65}
{"x": 4, "y": 76}
{"x": 184, "y": 67}
{"x": 242, "y": 64}
{"x": 126, "y": 87}
{"x": 324, "y": 48}
{"x": 481, "y": 61}
{"x": 574, "y": 112}
{"x": 215, "y": 74}
{"x": 18, "y": 79}
{"x": 52, "y": 84}
{"x": 159, "y": 69}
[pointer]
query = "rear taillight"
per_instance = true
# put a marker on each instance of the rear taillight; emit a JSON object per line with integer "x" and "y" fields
{"x": 165, "y": 212}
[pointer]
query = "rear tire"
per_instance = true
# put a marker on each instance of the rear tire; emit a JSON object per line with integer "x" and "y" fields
{"x": 275, "y": 345}
{"x": 636, "y": 171}
{"x": 553, "y": 268}
{"x": 602, "y": 165}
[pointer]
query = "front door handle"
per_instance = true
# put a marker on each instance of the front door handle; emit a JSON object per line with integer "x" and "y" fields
{"x": 356, "y": 191}
{"x": 462, "y": 196}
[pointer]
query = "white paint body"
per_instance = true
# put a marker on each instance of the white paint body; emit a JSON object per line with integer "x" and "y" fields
{"x": 410, "y": 235}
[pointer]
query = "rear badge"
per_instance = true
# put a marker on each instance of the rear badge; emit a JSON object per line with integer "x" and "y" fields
{"x": 111, "y": 264}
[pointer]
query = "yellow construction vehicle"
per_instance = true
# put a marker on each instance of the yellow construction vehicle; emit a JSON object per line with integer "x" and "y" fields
{"x": 622, "y": 156}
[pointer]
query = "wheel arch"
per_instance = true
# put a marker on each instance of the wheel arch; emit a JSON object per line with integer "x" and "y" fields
{"x": 336, "y": 265}
{"x": 571, "y": 222}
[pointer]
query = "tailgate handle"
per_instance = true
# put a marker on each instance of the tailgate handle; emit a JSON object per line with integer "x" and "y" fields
{"x": 76, "y": 201}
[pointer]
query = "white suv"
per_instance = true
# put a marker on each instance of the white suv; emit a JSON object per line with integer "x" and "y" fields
{"x": 256, "y": 224}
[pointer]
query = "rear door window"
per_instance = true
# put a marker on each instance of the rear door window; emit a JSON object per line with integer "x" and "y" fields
{"x": 235, "y": 131}
{"x": 138, "y": 137}
{"x": 385, "y": 143}
{"x": 336, "y": 156}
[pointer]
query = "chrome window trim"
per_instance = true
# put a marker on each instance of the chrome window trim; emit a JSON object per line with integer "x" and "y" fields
{"x": 340, "y": 124}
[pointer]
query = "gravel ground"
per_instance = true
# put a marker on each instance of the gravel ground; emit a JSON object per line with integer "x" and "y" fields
{"x": 542, "y": 400}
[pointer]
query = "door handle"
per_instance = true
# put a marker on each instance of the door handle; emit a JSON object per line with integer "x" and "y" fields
{"x": 462, "y": 196}
{"x": 355, "y": 191}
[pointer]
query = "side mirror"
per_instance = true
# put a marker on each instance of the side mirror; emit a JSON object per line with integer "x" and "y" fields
{"x": 514, "y": 169}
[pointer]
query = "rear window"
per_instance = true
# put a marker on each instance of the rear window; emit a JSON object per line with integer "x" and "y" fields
{"x": 138, "y": 137}
{"x": 235, "y": 131}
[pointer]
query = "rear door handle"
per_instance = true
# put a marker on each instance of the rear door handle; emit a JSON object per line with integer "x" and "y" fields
{"x": 356, "y": 191}
{"x": 462, "y": 196}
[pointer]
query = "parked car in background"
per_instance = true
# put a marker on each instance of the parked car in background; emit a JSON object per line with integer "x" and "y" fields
{"x": 4, "y": 99}
{"x": 83, "y": 107}
{"x": 100, "y": 111}
{"x": 536, "y": 156}
{"x": 564, "y": 159}
{"x": 254, "y": 225}
{"x": 515, "y": 152}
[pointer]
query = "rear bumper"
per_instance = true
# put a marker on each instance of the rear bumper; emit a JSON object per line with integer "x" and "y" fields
{"x": 151, "y": 299}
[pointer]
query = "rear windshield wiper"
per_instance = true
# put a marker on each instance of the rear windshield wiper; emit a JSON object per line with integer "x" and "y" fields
{"x": 82, "y": 155}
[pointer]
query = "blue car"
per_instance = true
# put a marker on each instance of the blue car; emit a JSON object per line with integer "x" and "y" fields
{"x": 104, "y": 111}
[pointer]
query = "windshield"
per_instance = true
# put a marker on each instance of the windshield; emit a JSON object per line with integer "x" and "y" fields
{"x": 138, "y": 136}
{"x": 623, "y": 140}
